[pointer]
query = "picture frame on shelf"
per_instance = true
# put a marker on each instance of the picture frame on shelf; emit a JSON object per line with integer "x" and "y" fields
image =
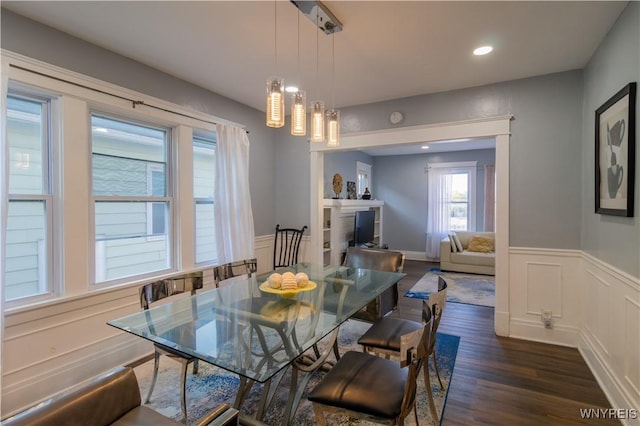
{"x": 615, "y": 154}
{"x": 351, "y": 191}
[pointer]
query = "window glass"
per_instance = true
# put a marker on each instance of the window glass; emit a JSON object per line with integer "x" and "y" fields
{"x": 459, "y": 204}
{"x": 204, "y": 162}
{"x": 132, "y": 207}
{"x": 28, "y": 258}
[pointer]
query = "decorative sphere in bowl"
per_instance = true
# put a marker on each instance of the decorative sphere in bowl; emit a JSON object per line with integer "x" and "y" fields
{"x": 302, "y": 279}
{"x": 275, "y": 280}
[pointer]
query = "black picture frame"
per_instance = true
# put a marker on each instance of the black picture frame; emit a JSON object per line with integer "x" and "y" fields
{"x": 615, "y": 153}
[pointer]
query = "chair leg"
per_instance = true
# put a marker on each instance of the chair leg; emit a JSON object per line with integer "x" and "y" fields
{"x": 415, "y": 412}
{"x": 156, "y": 361}
{"x": 195, "y": 366}
{"x": 336, "y": 352}
{"x": 435, "y": 367}
{"x": 183, "y": 391}
{"x": 432, "y": 404}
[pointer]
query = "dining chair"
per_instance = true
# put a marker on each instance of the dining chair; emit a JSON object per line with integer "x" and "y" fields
{"x": 286, "y": 246}
{"x": 365, "y": 386}
{"x": 154, "y": 292}
{"x": 379, "y": 260}
{"x": 235, "y": 269}
{"x": 382, "y": 338}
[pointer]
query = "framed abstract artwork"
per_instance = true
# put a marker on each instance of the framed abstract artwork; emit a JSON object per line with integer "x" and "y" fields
{"x": 615, "y": 153}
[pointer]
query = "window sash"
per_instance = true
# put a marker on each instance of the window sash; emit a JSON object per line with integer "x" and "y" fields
{"x": 21, "y": 252}
{"x": 139, "y": 251}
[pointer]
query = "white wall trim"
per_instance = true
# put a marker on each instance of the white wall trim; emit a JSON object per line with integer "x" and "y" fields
{"x": 598, "y": 309}
{"x": 492, "y": 127}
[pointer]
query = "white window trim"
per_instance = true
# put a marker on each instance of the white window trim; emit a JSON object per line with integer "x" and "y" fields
{"x": 367, "y": 169}
{"x": 48, "y": 285}
{"x": 471, "y": 168}
{"x": 76, "y": 209}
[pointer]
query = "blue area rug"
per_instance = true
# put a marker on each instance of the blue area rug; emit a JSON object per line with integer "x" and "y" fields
{"x": 212, "y": 386}
{"x": 472, "y": 289}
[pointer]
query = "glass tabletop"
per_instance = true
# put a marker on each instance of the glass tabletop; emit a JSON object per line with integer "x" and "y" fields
{"x": 253, "y": 332}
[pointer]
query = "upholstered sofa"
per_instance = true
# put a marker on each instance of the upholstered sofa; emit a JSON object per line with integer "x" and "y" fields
{"x": 110, "y": 399}
{"x": 480, "y": 258}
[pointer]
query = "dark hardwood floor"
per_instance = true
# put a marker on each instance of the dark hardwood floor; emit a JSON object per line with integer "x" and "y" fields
{"x": 503, "y": 381}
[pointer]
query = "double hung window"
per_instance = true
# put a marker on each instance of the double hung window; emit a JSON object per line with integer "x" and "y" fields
{"x": 29, "y": 260}
{"x": 132, "y": 198}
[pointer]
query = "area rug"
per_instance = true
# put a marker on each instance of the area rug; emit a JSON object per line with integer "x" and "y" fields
{"x": 471, "y": 289}
{"x": 212, "y": 386}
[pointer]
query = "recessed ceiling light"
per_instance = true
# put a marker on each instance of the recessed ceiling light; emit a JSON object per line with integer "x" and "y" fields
{"x": 483, "y": 50}
{"x": 291, "y": 89}
{"x": 424, "y": 147}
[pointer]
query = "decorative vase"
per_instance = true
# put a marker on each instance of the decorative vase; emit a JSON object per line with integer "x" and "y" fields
{"x": 366, "y": 195}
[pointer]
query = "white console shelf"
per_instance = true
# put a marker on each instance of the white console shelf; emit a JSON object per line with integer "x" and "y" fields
{"x": 337, "y": 225}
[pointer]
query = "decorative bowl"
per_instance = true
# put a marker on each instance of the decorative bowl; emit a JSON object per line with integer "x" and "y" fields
{"x": 286, "y": 293}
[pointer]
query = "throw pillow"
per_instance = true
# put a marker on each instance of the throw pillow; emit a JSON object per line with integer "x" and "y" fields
{"x": 454, "y": 248}
{"x": 481, "y": 244}
{"x": 458, "y": 242}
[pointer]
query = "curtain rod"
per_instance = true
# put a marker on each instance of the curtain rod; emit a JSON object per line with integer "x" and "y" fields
{"x": 133, "y": 101}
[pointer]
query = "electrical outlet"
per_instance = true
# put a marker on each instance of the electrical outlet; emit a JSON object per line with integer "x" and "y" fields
{"x": 547, "y": 319}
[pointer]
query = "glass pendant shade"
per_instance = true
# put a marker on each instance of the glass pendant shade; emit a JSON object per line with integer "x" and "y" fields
{"x": 275, "y": 102}
{"x": 333, "y": 127}
{"x": 317, "y": 122}
{"x": 299, "y": 113}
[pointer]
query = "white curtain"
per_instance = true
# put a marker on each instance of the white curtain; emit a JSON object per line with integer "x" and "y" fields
{"x": 4, "y": 194}
{"x": 438, "y": 199}
{"x": 489, "y": 198}
{"x": 235, "y": 235}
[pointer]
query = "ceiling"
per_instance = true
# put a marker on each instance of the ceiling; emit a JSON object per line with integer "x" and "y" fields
{"x": 386, "y": 50}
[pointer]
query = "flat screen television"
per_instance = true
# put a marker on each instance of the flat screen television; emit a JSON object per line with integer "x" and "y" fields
{"x": 363, "y": 232}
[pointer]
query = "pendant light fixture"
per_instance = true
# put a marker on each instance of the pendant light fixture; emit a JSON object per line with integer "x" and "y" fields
{"x": 317, "y": 107}
{"x": 333, "y": 115}
{"x": 299, "y": 101}
{"x": 275, "y": 85}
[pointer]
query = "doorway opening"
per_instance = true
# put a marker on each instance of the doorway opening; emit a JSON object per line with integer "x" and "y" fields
{"x": 497, "y": 128}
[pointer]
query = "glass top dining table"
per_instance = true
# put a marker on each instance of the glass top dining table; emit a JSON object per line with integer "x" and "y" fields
{"x": 255, "y": 333}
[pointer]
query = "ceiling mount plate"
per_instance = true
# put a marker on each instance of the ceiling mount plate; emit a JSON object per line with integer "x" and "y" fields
{"x": 318, "y": 12}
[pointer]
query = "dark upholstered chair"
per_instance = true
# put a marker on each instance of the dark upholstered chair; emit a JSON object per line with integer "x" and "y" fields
{"x": 383, "y": 337}
{"x": 379, "y": 260}
{"x": 159, "y": 290}
{"x": 368, "y": 387}
{"x": 109, "y": 399}
{"x": 286, "y": 246}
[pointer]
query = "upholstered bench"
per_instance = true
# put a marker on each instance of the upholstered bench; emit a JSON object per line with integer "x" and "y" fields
{"x": 110, "y": 399}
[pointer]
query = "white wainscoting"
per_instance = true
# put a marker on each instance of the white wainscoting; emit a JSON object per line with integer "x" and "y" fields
{"x": 549, "y": 280}
{"x": 610, "y": 335}
{"x": 596, "y": 308}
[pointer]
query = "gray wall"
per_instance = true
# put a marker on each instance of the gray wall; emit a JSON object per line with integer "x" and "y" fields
{"x": 401, "y": 182}
{"x": 615, "y": 240}
{"x": 545, "y": 149}
{"x": 345, "y": 164}
{"x": 32, "y": 39}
